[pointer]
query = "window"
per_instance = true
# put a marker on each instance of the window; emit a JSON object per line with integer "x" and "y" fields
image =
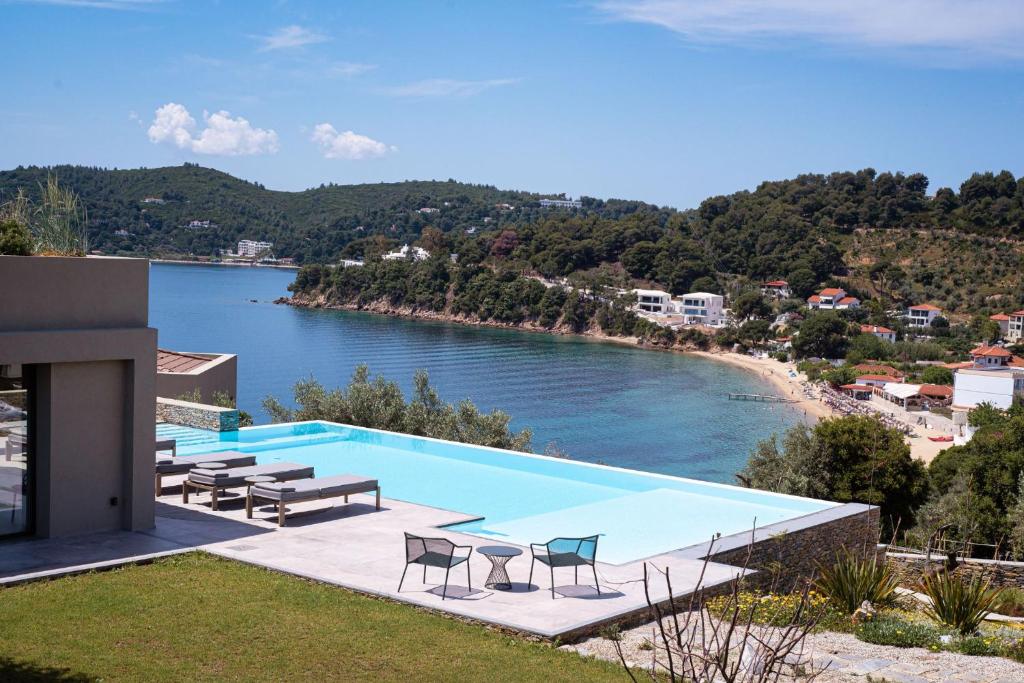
{"x": 15, "y": 454}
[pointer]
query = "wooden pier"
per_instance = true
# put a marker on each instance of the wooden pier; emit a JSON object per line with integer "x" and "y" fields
{"x": 764, "y": 398}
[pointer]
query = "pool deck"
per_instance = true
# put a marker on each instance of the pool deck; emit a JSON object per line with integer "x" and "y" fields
{"x": 362, "y": 549}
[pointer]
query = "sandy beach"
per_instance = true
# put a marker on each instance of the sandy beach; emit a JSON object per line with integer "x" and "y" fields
{"x": 921, "y": 447}
{"x": 778, "y": 374}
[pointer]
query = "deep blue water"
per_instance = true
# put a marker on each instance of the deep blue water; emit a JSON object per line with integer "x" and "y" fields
{"x": 660, "y": 412}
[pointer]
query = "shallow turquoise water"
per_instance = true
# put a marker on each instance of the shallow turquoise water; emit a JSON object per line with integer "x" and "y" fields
{"x": 658, "y": 412}
{"x": 521, "y": 499}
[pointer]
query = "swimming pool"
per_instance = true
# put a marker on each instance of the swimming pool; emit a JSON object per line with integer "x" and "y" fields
{"x": 517, "y": 498}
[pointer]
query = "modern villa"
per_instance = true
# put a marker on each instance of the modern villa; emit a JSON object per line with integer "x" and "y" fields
{"x": 701, "y": 308}
{"x": 695, "y": 308}
{"x": 654, "y": 301}
{"x": 922, "y": 315}
{"x": 78, "y": 362}
{"x": 1015, "y": 327}
{"x": 80, "y": 377}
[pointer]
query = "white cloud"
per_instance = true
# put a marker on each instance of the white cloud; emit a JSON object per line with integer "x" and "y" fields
{"x": 447, "y": 87}
{"x": 223, "y": 135}
{"x": 349, "y": 69}
{"x": 963, "y": 28}
{"x": 289, "y": 37}
{"x": 347, "y": 145}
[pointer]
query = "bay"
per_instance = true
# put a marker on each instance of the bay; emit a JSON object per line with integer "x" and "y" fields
{"x": 599, "y": 402}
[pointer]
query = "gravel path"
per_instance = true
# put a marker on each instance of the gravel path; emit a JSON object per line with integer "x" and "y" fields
{"x": 847, "y": 658}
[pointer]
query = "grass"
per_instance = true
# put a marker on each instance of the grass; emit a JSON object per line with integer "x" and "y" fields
{"x": 199, "y": 617}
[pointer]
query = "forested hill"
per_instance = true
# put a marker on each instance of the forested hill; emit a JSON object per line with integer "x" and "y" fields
{"x": 312, "y": 225}
{"x": 879, "y": 235}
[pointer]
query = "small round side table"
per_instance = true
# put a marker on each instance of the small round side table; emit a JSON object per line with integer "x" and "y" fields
{"x": 499, "y": 555}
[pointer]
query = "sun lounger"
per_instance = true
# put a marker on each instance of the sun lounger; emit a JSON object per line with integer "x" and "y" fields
{"x": 216, "y": 481}
{"x": 169, "y": 465}
{"x": 310, "y": 489}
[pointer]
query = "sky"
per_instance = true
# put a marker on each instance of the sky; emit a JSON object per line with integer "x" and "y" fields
{"x": 666, "y": 101}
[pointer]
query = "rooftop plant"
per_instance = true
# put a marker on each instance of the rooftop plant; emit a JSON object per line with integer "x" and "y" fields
{"x": 53, "y": 226}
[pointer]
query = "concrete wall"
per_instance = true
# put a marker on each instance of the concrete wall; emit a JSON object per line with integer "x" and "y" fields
{"x": 78, "y": 327}
{"x": 221, "y": 375}
{"x": 972, "y": 389}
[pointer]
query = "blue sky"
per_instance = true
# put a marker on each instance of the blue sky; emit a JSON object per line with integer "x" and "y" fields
{"x": 662, "y": 100}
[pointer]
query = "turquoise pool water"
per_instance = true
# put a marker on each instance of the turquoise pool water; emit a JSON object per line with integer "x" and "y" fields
{"x": 518, "y": 498}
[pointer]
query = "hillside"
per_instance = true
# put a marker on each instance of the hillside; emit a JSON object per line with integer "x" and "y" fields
{"x": 880, "y": 235}
{"x": 311, "y": 225}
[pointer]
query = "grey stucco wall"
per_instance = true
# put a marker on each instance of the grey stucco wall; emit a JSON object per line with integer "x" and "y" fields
{"x": 220, "y": 376}
{"x": 78, "y": 326}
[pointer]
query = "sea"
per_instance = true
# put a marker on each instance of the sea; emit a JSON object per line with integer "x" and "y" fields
{"x": 595, "y": 401}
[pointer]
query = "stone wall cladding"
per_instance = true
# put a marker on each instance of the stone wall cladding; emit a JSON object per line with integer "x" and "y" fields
{"x": 783, "y": 561}
{"x": 910, "y": 567}
{"x": 197, "y": 415}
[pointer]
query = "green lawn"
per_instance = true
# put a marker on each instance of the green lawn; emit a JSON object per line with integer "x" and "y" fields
{"x": 199, "y": 617}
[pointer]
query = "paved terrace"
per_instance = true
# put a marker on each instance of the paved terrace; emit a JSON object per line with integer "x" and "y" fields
{"x": 360, "y": 548}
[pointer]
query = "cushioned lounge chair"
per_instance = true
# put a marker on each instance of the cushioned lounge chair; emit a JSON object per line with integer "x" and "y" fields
{"x": 309, "y": 489}
{"x": 216, "y": 481}
{"x": 566, "y": 552}
{"x": 434, "y": 552}
{"x": 168, "y": 465}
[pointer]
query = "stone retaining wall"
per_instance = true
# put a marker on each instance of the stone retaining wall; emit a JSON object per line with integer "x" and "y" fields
{"x": 909, "y": 568}
{"x": 197, "y": 415}
{"x": 784, "y": 559}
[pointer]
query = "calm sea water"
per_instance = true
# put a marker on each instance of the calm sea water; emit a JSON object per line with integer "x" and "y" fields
{"x": 660, "y": 412}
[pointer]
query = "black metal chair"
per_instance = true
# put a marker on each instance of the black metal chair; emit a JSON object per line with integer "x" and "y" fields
{"x": 566, "y": 552}
{"x": 434, "y": 552}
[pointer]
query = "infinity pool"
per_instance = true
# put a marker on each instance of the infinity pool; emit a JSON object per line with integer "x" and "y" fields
{"x": 518, "y": 498}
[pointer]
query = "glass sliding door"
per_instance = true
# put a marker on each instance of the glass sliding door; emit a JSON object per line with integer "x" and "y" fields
{"x": 15, "y": 452}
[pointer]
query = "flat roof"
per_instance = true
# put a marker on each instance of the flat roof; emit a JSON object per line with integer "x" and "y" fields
{"x": 994, "y": 372}
{"x": 902, "y": 390}
{"x": 175, "y": 361}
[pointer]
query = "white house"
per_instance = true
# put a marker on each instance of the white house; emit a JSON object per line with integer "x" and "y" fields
{"x": 701, "y": 308}
{"x": 427, "y": 209}
{"x": 654, "y": 301}
{"x": 879, "y": 331}
{"x": 777, "y": 289}
{"x": 199, "y": 225}
{"x": 986, "y": 356}
{"x": 922, "y": 315}
{"x": 252, "y": 248}
{"x": 416, "y": 253}
{"x": 1015, "y": 327}
{"x": 561, "y": 203}
{"x": 974, "y": 386}
{"x": 877, "y": 380}
{"x": 832, "y": 299}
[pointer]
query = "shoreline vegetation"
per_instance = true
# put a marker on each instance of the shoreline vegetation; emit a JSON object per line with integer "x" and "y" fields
{"x": 188, "y": 262}
{"x": 776, "y": 373}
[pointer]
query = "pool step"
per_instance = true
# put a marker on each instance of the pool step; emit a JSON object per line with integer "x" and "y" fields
{"x": 640, "y": 525}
